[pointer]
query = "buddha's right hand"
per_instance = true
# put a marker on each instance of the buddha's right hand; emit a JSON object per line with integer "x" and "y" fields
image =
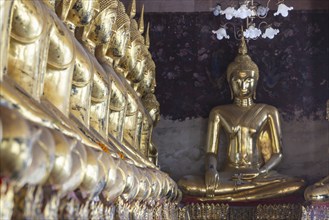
{"x": 211, "y": 181}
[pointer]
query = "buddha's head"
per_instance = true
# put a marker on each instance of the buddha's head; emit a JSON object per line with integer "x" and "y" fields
{"x": 100, "y": 29}
{"x": 148, "y": 84}
{"x": 242, "y": 74}
{"x": 133, "y": 52}
{"x": 121, "y": 34}
{"x": 81, "y": 12}
{"x": 136, "y": 74}
{"x": 152, "y": 105}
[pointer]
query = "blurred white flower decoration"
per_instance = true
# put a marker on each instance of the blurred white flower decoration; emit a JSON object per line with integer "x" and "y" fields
{"x": 228, "y": 12}
{"x": 283, "y": 10}
{"x": 252, "y": 32}
{"x": 216, "y": 10}
{"x": 262, "y": 11}
{"x": 243, "y": 19}
{"x": 243, "y": 12}
{"x": 270, "y": 33}
{"x": 221, "y": 33}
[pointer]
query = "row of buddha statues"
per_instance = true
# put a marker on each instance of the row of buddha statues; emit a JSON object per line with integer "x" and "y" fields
{"x": 77, "y": 111}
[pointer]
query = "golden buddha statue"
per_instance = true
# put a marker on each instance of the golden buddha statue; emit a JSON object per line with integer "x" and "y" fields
{"x": 116, "y": 48}
{"x": 130, "y": 121}
{"x": 76, "y": 13}
{"x": 79, "y": 13}
{"x": 96, "y": 33}
{"x": 136, "y": 75}
{"x": 105, "y": 54}
{"x": 133, "y": 52}
{"x": 319, "y": 192}
{"x": 27, "y": 55}
{"x": 99, "y": 30}
{"x": 147, "y": 147}
{"x": 254, "y": 144}
{"x": 148, "y": 83}
{"x": 60, "y": 64}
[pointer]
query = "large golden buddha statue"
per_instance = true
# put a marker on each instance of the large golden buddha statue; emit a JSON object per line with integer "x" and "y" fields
{"x": 253, "y": 148}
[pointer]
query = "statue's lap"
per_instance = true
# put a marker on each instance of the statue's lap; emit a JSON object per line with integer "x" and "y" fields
{"x": 268, "y": 185}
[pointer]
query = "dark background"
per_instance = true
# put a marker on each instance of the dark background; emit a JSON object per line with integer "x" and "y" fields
{"x": 191, "y": 64}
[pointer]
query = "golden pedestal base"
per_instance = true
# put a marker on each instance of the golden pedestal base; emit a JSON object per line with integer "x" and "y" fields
{"x": 288, "y": 208}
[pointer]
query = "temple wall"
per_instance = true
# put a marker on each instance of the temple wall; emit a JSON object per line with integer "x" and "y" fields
{"x": 191, "y": 80}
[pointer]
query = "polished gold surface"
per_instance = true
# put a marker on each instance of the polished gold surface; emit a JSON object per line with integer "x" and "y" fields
{"x": 71, "y": 127}
{"x": 148, "y": 84}
{"x": 6, "y": 8}
{"x": 319, "y": 192}
{"x": 133, "y": 52}
{"x": 27, "y": 37}
{"x": 253, "y": 148}
{"x": 60, "y": 65}
{"x": 116, "y": 48}
{"x": 147, "y": 146}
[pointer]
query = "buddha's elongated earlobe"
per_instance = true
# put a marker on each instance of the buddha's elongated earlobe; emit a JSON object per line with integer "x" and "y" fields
{"x": 231, "y": 91}
{"x": 254, "y": 95}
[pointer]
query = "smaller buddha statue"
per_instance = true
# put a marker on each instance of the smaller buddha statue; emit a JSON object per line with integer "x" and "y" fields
{"x": 96, "y": 33}
{"x": 130, "y": 121}
{"x": 136, "y": 75}
{"x": 116, "y": 48}
{"x": 253, "y": 149}
{"x": 60, "y": 64}
{"x": 79, "y": 13}
{"x": 29, "y": 40}
{"x": 99, "y": 30}
{"x": 106, "y": 54}
{"x": 147, "y": 147}
{"x": 133, "y": 52}
{"x": 148, "y": 83}
{"x": 16, "y": 133}
{"x": 319, "y": 192}
{"x": 76, "y": 13}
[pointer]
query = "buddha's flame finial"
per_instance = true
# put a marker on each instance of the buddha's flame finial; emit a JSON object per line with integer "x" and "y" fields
{"x": 132, "y": 9}
{"x": 243, "y": 47}
{"x": 141, "y": 21}
{"x": 147, "y": 36}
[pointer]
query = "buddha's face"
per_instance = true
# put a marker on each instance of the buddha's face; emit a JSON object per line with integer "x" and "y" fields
{"x": 133, "y": 54}
{"x": 243, "y": 84}
{"x": 119, "y": 41}
{"x": 137, "y": 72}
{"x": 82, "y": 12}
{"x": 148, "y": 84}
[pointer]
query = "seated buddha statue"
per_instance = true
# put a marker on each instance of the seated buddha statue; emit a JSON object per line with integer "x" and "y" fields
{"x": 147, "y": 147}
{"x": 319, "y": 192}
{"x": 148, "y": 83}
{"x": 29, "y": 39}
{"x": 127, "y": 64}
{"x": 116, "y": 48}
{"x": 106, "y": 54}
{"x": 253, "y": 144}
